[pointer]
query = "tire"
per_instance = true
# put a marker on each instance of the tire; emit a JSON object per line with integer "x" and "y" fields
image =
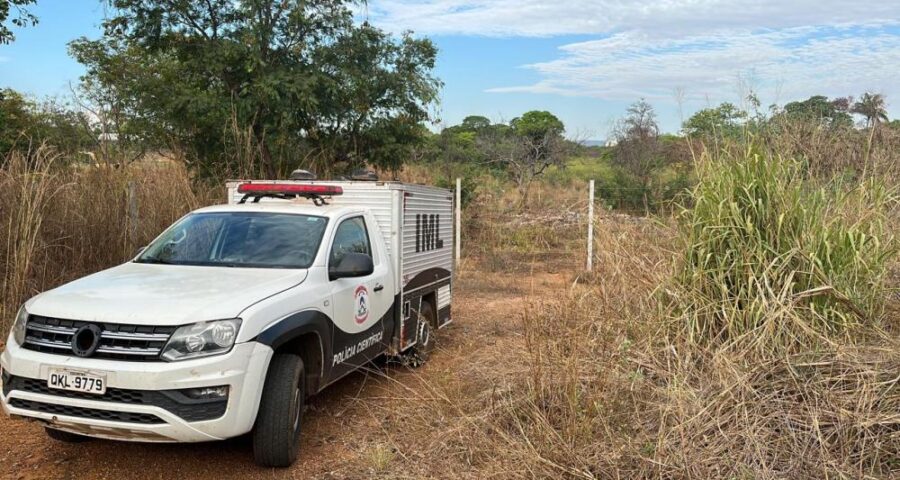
{"x": 427, "y": 337}
{"x": 276, "y": 436}
{"x": 65, "y": 437}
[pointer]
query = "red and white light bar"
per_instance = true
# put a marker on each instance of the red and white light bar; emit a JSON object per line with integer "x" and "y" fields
{"x": 261, "y": 189}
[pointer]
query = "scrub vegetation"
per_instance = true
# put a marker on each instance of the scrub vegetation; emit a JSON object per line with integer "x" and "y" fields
{"x": 748, "y": 332}
{"x": 753, "y": 334}
{"x": 63, "y": 220}
{"x": 742, "y": 320}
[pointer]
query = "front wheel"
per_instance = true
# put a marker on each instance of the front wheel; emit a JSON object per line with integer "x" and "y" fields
{"x": 276, "y": 436}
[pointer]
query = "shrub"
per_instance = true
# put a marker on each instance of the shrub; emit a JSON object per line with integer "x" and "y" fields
{"x": 616, "y": 188}
{"x": 468, "y": 187}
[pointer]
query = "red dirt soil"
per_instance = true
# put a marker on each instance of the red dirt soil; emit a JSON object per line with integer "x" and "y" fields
{"x": 345, "y": 427}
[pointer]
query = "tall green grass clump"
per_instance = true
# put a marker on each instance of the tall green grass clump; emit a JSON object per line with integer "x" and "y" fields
{"x": 777, "y": 259}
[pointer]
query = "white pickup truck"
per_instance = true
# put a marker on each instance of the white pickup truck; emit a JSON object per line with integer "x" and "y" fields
{"x": 236, "y": 314}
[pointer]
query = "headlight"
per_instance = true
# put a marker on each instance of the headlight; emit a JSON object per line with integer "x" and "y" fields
{"x": 18, "y": 328}
{"x": 201, "y": 340}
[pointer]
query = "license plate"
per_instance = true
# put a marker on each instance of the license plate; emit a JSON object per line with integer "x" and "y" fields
{"x": 77, "y": 381}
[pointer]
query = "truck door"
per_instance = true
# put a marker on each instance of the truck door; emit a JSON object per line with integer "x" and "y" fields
{"x": 361, "y": 304}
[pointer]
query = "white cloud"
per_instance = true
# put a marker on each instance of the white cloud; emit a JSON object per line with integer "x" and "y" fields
{"x": 648, "y": 49}
{"x": 797, "y": 61}
{"x": 663, "y": 17}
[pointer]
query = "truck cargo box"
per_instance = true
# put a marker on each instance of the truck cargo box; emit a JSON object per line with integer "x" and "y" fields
{"x": 414, "y": 220}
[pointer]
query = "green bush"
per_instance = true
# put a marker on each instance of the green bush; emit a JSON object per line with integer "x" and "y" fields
{"x": 468, "y": 187}
{"x": 770, "y": 257}
{"x": 616, "y": 188}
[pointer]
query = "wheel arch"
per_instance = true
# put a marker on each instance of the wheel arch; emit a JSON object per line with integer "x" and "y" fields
{"x": 307, "y": 334}
{"x": 431, "y": 298}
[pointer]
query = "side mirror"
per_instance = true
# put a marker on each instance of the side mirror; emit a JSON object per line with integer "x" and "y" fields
{"x": 352, "y": 265}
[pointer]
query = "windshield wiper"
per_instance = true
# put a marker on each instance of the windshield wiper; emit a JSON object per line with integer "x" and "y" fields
{"x": 154, "y": 260}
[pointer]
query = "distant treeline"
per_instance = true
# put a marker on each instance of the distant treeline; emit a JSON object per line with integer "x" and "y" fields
{"x": 261, "y": 88}
{"x": 641, "y": 168}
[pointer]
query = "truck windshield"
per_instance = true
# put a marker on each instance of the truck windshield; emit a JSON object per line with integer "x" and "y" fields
{"x": 239, "y": 239}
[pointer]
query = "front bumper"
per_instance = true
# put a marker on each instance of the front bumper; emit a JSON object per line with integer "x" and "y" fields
{"x": 243, "y": 370}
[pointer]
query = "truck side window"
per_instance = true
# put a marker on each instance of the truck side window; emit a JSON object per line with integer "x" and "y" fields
{"x": 351, "y": 237}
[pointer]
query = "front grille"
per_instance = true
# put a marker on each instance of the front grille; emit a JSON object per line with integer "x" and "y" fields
{"x": 175, "y": 401}
{"x": 82, "y": 412}
{"x": 117, "y": 341}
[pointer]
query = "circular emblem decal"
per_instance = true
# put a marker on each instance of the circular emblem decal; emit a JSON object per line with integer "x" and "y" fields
{"x": 86, "y": 340}
{"x": 361, "y": 302}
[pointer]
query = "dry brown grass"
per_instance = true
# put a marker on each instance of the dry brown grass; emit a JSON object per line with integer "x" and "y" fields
{"x": 587, "y": 384}
{"x": 836, "y": 152}
{"x": 63, "y": 221}
{"x": 592, "y": 383}
{"x": 826, "y": 414}
{"x": 559, "y": 375}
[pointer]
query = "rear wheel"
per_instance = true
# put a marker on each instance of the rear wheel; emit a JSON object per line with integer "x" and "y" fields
{"x": 421, "y": 351}
{"x": 276, "y": 436}
{"x": 65, "y": 437}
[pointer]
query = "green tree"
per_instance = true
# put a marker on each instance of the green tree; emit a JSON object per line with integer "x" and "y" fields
{"x": 24, "y": 123}
{"x": 62, "y": 126}
{"x": 820, "y": 110}
{"x": 23, "y": 17}
{"x": 537, "y": 124}
{"x": 294, "y": 82}
{"x": 871, "y": 106}
{"x": 527, "y": 147}
{"x": 15, "y": 120}
{"x": 724, "y": 121}
{"x": 475, "y": 123}
{"x": 638, "y": 149}
{"x": 455, "y": 149}
{"x": 119, "y": 82}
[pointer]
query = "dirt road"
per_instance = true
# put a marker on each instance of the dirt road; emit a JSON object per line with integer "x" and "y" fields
{"x": 353, "y": 429}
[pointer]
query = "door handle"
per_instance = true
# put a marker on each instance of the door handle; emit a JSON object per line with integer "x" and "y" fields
{"x": 378, "y": 287}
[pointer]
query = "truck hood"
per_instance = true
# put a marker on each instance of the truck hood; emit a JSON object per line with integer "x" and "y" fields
{"x": 150, "y": 294}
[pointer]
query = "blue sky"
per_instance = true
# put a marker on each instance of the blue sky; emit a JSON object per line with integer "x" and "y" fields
{"x": 37, "y": 62}
{"x": 584, "y": 60}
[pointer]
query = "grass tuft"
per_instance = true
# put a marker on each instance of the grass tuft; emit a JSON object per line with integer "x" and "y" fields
{"x": 770, "y": 258}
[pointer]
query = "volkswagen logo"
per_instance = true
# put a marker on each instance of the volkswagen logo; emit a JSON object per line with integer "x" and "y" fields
{"x": 86, "y": 340}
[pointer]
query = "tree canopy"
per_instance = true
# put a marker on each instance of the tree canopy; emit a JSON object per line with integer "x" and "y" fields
{"x": 22, "y": 17}
{"x": 638, "y": 149}
{"x": 872, "y": 107}
{"x": 537, "y": 124}
{"x": 819, "y": 109}
{"x": 524, "y": 149}
{"x": 474, "y": 123}
{"x": 25, "y": 123}
{"x": 724, "y": 120}
{"x": 283, "y": 82}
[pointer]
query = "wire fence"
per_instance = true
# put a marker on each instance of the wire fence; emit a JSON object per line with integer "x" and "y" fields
{"x": 518, "y": 237}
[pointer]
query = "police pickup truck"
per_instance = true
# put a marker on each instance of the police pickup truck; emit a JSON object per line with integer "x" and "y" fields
{"x": 236, "y": 314}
